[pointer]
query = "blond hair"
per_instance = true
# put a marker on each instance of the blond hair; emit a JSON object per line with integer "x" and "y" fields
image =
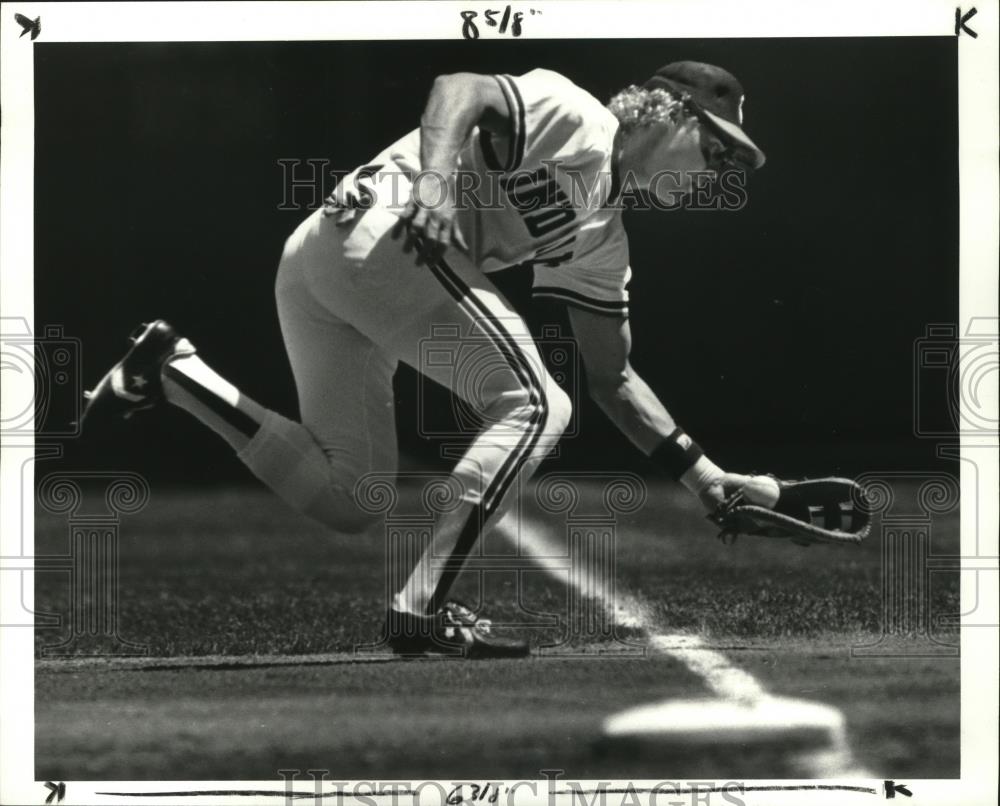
{"x": 638, "y": 107}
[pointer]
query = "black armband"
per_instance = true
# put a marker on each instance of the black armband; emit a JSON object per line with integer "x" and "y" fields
{"x": 677, "y": 454}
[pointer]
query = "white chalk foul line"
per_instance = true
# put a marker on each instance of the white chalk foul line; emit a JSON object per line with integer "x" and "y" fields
{"x": 728, "y": 683}
{"x": 720, "y": 676}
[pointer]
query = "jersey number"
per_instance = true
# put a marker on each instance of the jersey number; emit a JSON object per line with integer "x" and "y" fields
{"x": 540, "y": 201}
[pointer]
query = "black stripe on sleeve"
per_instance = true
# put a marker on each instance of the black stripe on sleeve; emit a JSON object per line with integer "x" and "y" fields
{"x": 489, "y": 154}
{"x": 608, "y": 307}
{"x": 517, "y": 147}
{"x": 515, "y": 125}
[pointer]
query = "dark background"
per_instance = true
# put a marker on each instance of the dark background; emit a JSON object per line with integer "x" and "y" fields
{"x": 781, "y": 336}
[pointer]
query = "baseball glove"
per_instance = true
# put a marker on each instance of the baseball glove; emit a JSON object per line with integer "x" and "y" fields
{"x": 830, "y": 510}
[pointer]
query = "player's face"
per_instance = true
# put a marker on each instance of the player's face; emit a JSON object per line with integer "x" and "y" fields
{"x": 666, "y": 157}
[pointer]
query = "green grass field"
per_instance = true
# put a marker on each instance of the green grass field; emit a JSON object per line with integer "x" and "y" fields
{"x": 209, "y": 575}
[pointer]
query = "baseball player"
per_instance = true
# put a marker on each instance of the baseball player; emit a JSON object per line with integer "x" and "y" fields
{"x": 503, "y": 170}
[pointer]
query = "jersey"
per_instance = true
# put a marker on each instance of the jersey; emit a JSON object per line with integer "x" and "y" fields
{"x": 540, "y": 194}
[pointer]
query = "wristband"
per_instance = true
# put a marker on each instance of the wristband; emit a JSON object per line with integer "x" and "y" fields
{"x": 677, "y": 454}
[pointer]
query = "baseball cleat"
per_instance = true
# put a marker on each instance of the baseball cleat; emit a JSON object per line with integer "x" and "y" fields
{"x": 453, "y": 630}
{"x": 133, "y": 384}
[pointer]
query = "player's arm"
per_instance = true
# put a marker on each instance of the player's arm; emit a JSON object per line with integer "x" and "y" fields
{"x": 605, "y": 343}
{"x": 829, "y": 510}
{"x": 457, "y": 104}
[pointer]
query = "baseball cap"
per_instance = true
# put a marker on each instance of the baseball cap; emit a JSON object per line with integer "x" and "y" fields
{"x": 716, "y": 94}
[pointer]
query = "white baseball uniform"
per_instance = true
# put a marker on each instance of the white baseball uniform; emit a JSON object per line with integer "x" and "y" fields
{"x": 352, "y": 305}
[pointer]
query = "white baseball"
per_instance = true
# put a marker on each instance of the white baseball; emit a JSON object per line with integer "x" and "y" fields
{"x": 762, "y": 490}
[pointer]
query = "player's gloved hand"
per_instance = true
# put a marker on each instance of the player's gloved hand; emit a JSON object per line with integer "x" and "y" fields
{"x": 828, "y": 510}
{"x": 428, "y": 220}
{"x": 714, "y": 496}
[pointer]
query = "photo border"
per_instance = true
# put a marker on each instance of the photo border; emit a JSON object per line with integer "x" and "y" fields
{"x": 237, "y": 21}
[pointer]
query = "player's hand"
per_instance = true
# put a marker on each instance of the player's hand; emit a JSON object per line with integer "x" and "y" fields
{"x": 428, "y": 220}
{"x": 729, "y": 483}
{"x": 353, "y": 195}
